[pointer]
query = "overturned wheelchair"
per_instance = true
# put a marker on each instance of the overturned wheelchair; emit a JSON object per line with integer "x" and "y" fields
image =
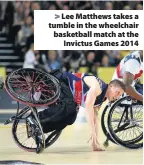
{"x": 36, "y": 89}
{"x": 122, "y": 122}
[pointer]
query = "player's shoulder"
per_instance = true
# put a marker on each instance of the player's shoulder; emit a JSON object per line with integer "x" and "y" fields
{"x": 90, "y": 79}
{"x": 95, "y": 82}
{"x": 133, "y": 57}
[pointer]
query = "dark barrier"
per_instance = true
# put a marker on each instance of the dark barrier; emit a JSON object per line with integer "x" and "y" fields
{"x": 6, "y": 102}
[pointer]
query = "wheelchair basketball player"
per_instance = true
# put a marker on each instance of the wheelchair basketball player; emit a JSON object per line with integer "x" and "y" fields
{"x": 129, "y": 71}
{"x": 78, "y": 90}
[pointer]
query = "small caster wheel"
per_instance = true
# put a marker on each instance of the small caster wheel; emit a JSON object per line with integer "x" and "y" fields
{"x": 39, "y": 148}
{"x": 106, "y": 143}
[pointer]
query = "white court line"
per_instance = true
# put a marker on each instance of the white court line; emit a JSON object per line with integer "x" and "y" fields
{"x": 6, "y": 111}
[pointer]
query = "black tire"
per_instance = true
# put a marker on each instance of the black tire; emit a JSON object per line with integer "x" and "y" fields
{"x": 54, "y": 134}
{"x": 23, "y": 84}
{"x": 104, "y": 123}
{"x": 51, "y": 137}
{"x": 132, "y": 143}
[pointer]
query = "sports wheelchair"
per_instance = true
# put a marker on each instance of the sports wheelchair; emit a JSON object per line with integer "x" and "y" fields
{"x": 34, "y": 89}
{"x": 122, "y": 122}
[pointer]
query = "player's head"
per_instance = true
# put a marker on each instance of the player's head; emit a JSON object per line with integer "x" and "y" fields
{"x": 115, "y": 89}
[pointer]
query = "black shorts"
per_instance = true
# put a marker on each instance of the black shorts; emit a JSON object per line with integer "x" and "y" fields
{"x": 58, "y": 122}
{"x": 64, "y": 112}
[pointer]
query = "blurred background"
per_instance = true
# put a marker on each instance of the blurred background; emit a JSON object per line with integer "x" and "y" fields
{"x": 17, "y": 40}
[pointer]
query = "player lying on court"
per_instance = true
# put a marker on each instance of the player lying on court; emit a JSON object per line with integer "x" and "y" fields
{"x": 78, "y": 90}
{"x": 129, "y": 71}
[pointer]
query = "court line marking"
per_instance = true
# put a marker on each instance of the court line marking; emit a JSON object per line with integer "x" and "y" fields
{"x": 8, "y": 111}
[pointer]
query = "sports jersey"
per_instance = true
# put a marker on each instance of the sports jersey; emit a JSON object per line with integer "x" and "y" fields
{"x": 79, "y": 88}
{"x": 131, "y": 63}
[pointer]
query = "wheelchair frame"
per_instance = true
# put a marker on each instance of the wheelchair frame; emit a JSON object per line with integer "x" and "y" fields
{"x": 30, "y": 104}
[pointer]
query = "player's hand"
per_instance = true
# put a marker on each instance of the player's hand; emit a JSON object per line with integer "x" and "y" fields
{"x": 95, "y": 143}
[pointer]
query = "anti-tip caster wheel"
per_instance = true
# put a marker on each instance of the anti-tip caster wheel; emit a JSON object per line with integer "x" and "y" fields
{"x": 106, "y": 144}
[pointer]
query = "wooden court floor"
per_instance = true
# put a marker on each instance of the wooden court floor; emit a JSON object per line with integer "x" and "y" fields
{"x": 70, "y": 148}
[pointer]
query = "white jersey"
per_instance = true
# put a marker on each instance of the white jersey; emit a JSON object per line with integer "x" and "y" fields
{"x": 131, "y": 63}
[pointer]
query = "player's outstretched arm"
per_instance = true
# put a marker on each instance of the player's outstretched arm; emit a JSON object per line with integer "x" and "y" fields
{"x": 128, "y": 80}
{"x": 93, "y": 92}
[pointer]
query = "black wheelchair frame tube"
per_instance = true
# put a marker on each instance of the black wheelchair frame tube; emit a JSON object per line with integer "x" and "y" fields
{"x": 34, "y": 111}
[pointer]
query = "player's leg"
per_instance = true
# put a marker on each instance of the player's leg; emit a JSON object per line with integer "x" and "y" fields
{"x": 60, "y": 122}
{"x": 56, "y": 116}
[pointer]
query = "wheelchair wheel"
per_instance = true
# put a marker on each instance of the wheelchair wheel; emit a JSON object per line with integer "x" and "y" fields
{"x": 125, "y": 123}
{"x": 104, "y": 124}
{"x": 21, "y": 134}
{"x": 32, "y": 87}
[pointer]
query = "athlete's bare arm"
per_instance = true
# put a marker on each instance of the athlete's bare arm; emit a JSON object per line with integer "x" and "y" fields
{"x": 128, "y": 80}
{"x": 93, "y": 92}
